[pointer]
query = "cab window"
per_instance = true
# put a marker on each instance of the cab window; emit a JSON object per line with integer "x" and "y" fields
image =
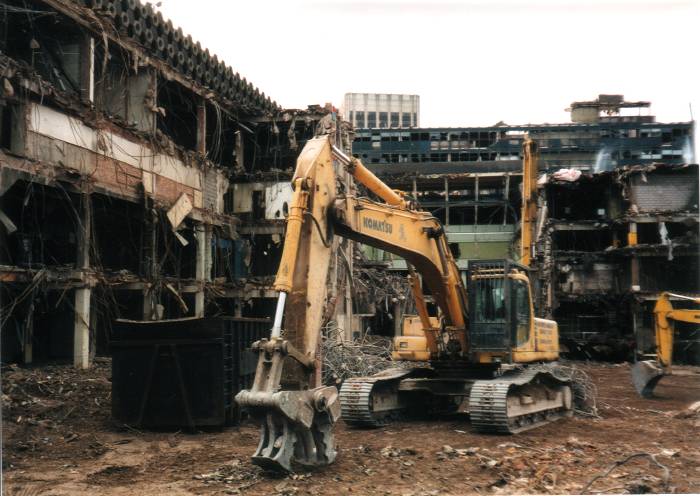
{"x": 489, "y": 301}
{"x": 521, "y": 308}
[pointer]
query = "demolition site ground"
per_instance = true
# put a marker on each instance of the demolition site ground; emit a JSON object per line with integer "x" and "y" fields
{"x": 59, "y": 439}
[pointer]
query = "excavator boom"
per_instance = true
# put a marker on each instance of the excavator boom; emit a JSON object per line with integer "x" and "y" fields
{"x": 529, "y": 204}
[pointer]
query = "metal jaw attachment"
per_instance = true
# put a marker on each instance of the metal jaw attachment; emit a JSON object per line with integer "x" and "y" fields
{"x": 296, "y": 426}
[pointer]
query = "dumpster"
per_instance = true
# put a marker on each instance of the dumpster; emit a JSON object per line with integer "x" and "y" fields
{"x": 182, "y": 372}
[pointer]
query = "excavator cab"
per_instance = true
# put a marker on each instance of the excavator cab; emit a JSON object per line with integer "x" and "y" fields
{"x": 500, "y": 304}
{"x": 502, "y": 327}
{"x": 502, "y": 323}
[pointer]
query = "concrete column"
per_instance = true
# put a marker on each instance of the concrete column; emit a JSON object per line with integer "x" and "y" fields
{"x": 506, "y": 195}
{"x": 447, "y": 202}
{"x": 202, "y": 127}
{"x": 239, "y": 150}
{"x": 28, "y": 335}
{"x": 85, "y": 233}
{"x": 634, "y": 261}
{"x": 634, "y": 274}
{"x": 81, "y": 333}
{"x": 147, "y": 305}
{"x": 150, "y": 259}
{"x": 348, "y": 320}
{"x": 397, "y": 318}
{"x": 200, "y": 270}
{"x": 476, "y": 199}
{"x": 87, "y": 69}
{"x": 208, "y": 258}
{"x": 81, "y": 328}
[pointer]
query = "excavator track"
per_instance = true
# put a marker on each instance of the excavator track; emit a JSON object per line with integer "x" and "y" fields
{"x": 519, "y": 401}
{"x": 372, "y": 401}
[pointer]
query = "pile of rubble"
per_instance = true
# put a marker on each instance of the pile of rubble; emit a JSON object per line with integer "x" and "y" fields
{"x": 516, "y": 468}
{"x": 691, "y": 413}
{"x": 364, "y": 356}
{"x": 51, "y": 394}
{"x": 52, "y": 408}
{"x": 238, "y": 477}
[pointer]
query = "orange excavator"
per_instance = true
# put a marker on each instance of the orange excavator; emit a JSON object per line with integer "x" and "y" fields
{"x": 646, "y": 374}
{"x": 482, "y": 345}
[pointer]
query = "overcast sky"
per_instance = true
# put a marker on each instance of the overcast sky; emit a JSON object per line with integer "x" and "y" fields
{"x": 473, "y": 62}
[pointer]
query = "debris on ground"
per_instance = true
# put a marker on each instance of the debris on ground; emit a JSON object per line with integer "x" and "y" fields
{"x": 392, "y": 452}
{"x": 66, "y": 444}
{"x": 636, "y": 486}
{"x": 450, "y": 452}
{"x": 47, "y": 408}
{"x": 238, "y": 476}
{"x": 693, "y": 411}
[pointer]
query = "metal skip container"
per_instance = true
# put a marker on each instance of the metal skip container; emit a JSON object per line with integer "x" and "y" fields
{"x": 182, "y": 372}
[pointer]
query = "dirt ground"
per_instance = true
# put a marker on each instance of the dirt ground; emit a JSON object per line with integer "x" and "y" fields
{"x": 58, "y": 439}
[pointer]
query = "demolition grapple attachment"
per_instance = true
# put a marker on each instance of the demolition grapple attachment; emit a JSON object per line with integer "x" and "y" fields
{"x": 296, "y": 425}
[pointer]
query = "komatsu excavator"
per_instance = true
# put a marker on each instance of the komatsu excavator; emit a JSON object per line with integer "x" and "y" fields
{"x": 646, "y": 374}
{"x": 486, "y": 352}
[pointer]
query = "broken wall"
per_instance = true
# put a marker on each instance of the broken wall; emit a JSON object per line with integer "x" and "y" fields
{"x": 119, "y": 143}
{"x": 610, "y": 244}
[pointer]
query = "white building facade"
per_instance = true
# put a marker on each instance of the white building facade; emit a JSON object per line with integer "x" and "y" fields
{"x": 382, "y": 110}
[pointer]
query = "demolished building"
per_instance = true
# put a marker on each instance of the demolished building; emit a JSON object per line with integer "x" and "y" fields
{"x": 140, "y": 177}
{"x": 609, "y": 240}
{"x": 608, "y": 245}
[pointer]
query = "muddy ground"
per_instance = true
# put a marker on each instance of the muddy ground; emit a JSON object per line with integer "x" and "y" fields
{"x": 58, "y": 439}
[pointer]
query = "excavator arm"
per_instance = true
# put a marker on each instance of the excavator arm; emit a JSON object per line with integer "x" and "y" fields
{"x": 646, "y": 374}
{"x": 664, "y": 317}
{"x": 398, "y": 227}
{"x": 295, "y": 412}
{"x": 418, "y": 238}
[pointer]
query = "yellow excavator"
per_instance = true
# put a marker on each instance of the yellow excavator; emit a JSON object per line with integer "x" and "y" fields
{"x": 480, "y": 347}
{"x": 646, "y": 374}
